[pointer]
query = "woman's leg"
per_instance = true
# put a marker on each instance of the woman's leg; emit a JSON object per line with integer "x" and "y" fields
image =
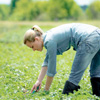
{"x": 95, "y": 66}
{"x": 84, "y": 55}
{"x": 82, "y": 59}
{"x": 95, "y": 74}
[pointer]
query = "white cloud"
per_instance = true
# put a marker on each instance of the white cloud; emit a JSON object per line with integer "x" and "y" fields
{"x": 79, "y": 2}
{"x": 84, "y": 2}
{"x": 5, "y": 1}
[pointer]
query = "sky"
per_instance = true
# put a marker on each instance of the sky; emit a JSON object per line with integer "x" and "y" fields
{"x": 79, "y": 2}
{"x": 5, "y": 1}
{"x": 84, "y": 2}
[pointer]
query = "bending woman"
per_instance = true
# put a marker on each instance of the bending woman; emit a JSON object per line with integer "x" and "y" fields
{"x": 85, "y": 40}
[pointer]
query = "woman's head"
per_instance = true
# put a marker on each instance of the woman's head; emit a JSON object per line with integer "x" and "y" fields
{"x": 33, "y": 38}
{"x": 32, "y": 33}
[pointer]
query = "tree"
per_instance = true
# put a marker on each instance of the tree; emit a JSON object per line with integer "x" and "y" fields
{"x": 4, "y": 12}
{"x": 68, "y": 9}
{"x": 21, "y": 11}
{"x": 76, "y": 12}
{"x": 46, "y": 10}
{"x": 55, "y": 10}
{"x": 13, "y": 5}
{"x": 28, "y": 10}
{"x": 93, "y": 11}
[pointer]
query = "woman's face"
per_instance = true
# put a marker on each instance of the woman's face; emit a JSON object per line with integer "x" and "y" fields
{"x": 36, "y": 45}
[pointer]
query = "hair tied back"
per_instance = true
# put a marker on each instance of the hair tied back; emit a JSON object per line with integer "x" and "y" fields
{"x": 37, "y": 28}
{"x": 32, "y": 28}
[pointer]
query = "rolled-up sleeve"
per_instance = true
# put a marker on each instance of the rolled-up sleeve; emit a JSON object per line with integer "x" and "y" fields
{"x": 51, "y": 51}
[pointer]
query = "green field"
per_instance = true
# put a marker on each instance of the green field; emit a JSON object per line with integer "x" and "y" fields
{"x": 20, "y": 66}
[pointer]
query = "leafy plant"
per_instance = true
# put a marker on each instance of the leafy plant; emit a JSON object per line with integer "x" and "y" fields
{"x": 20, "y": 67}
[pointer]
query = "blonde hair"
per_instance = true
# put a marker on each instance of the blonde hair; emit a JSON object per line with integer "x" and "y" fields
{"x": 32, "y": 33}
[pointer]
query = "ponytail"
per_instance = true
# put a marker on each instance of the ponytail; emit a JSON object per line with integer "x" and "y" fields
{"x": 37, "y": 28}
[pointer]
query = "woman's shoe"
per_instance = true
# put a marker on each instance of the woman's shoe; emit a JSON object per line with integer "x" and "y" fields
{"x": 69, "y": 88}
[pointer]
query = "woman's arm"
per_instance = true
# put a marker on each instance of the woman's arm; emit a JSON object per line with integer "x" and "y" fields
{"x": 39, "y": 80}
{"x": 48, "y": 80}
{"x": 42, "y": 74}
{"x": 51, "y": 71}
{"x": 48, "y": 83}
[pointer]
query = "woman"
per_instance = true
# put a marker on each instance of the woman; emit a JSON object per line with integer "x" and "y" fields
{"x": 84, "y": 38}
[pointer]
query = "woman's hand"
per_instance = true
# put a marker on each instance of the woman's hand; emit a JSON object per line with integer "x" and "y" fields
{"x": 38, "y": 83}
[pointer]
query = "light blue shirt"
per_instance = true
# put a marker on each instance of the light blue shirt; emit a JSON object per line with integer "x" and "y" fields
{"x": 60, "y": 39}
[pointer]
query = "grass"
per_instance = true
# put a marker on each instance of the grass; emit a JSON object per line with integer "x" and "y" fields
{"x": 20, "y": 66}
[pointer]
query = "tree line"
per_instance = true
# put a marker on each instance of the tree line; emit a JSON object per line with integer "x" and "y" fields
{"x": 44, "y": 10}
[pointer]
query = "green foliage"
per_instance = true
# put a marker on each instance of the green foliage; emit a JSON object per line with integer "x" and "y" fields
{"x": 28, "y": 10}
{"x": 42, "y": 7}
{"x": 46, "y": 10}
{"x": 20, "y": 67}
{"x": 4, "y": 12}
{"x": 12, "y": 5}
{"x": 76, "y": 13}
{"x": 73, "y": 10}
{"x": 21, "y": 12}
{"x": 55, "y": 10}
{"x": 93, "y": 11}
